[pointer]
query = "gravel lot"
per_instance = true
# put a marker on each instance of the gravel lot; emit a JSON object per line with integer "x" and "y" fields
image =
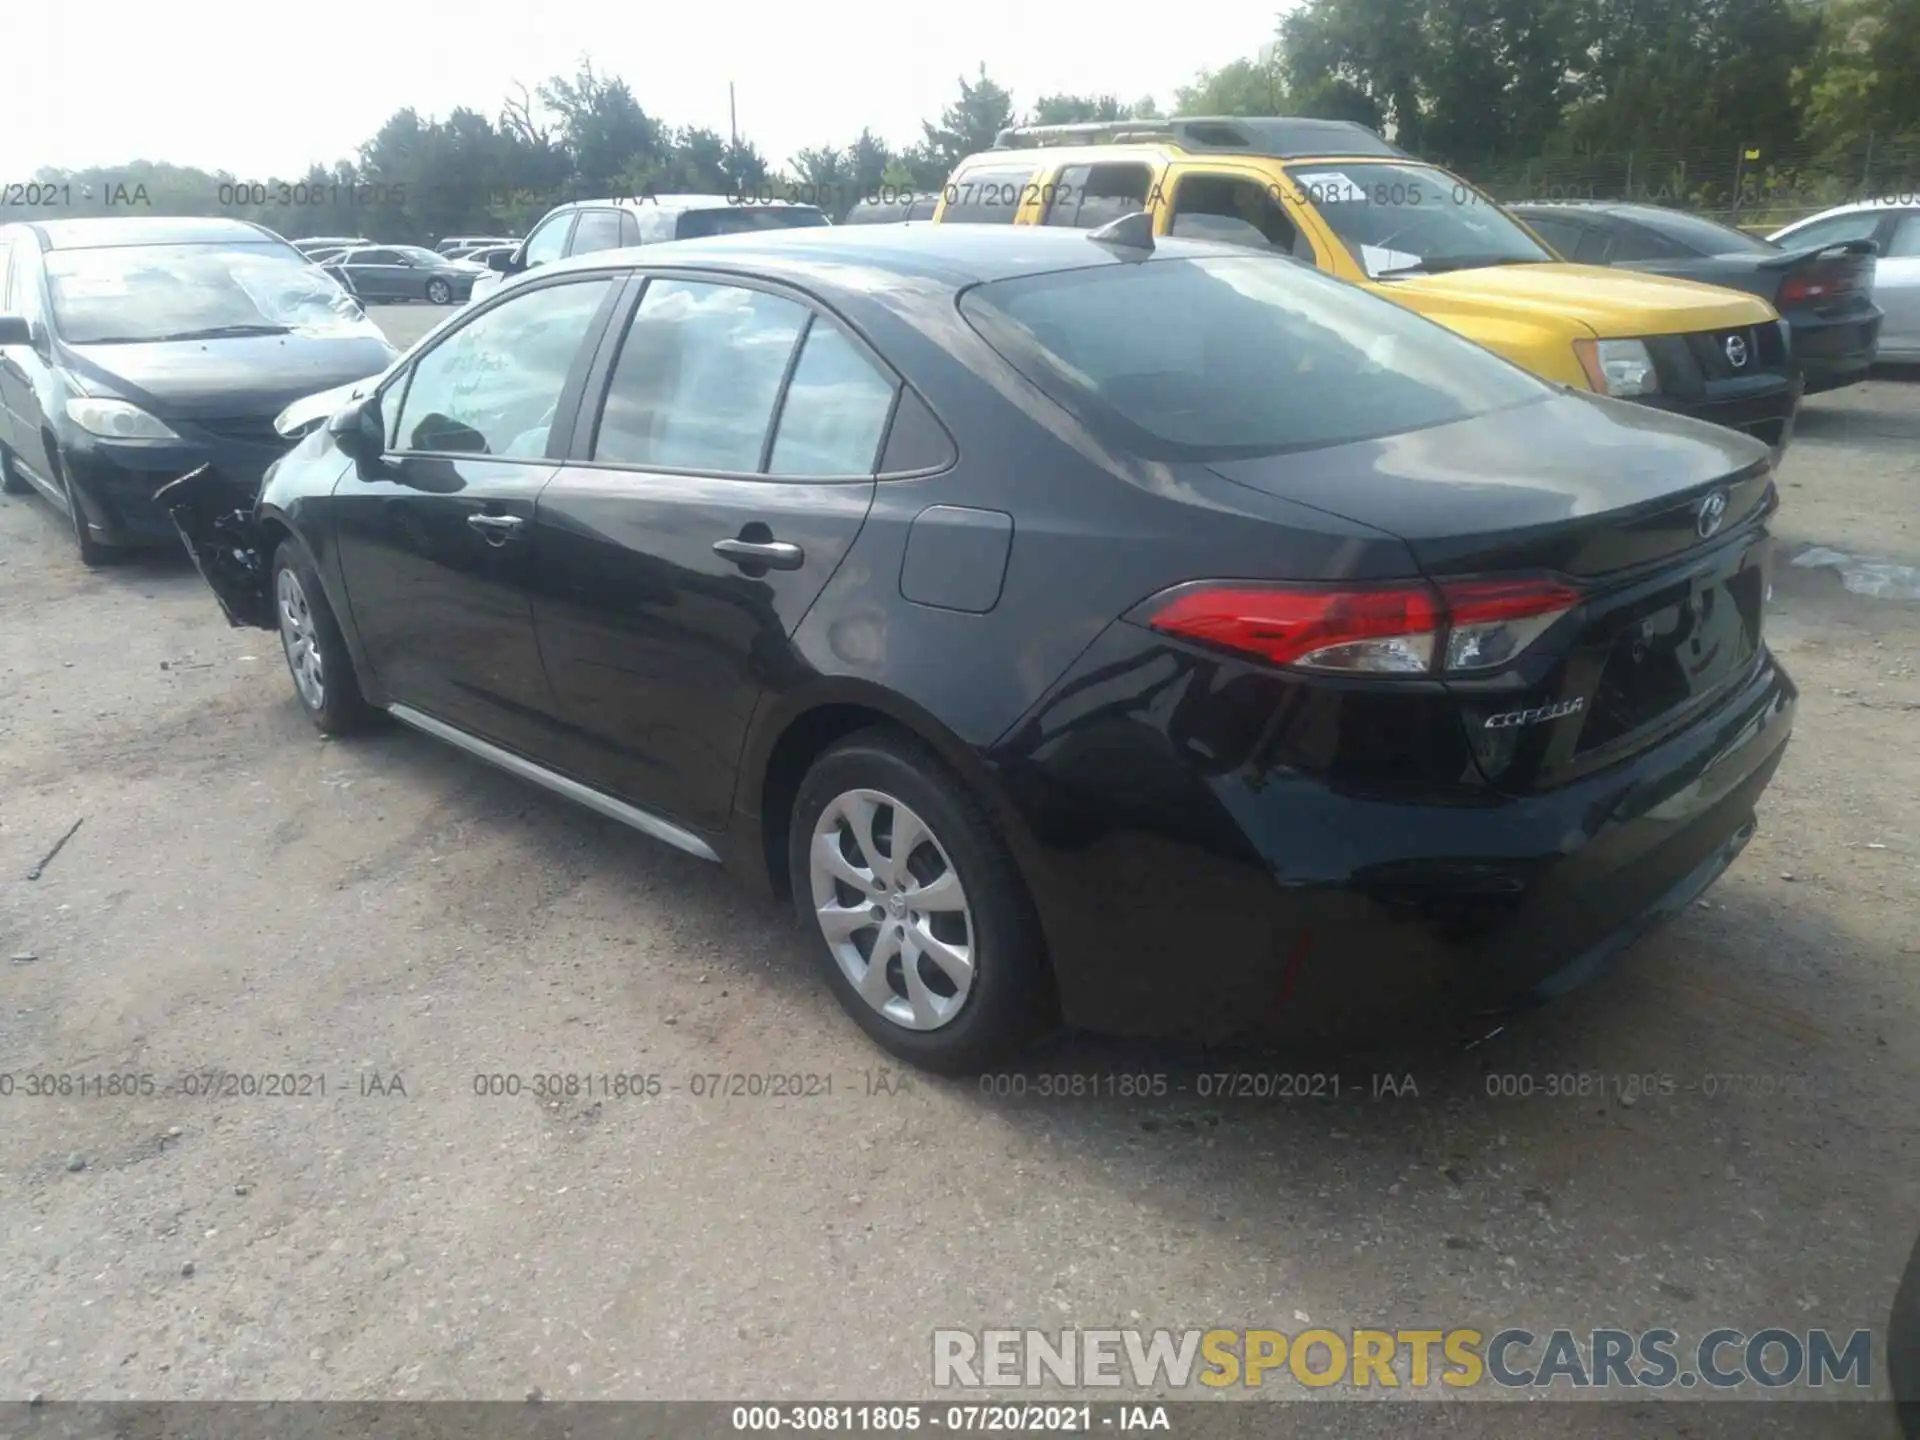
{"x": 245, "y": 898}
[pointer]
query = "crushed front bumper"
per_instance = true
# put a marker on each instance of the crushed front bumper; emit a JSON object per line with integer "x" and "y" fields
{"x": 216, "y": 520}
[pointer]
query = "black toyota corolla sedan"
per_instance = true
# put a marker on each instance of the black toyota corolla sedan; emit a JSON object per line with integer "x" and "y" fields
{"x": 1150, "y": 636}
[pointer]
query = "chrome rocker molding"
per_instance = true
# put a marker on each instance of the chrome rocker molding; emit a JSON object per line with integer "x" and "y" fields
{"x": 560, "y": 785}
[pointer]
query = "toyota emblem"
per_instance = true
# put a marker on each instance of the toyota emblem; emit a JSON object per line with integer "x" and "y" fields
{"x": 1737, "y": 352}
{"x": 1713, "y": 510}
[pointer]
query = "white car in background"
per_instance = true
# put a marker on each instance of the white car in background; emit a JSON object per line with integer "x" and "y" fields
{"x": 588, "y": 225}
{"x": 1893, "y": 224}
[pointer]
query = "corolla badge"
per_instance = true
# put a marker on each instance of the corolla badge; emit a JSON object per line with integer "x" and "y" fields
{"x": 1737, "y": 351}
{"x": 1536, "y": 716}
{"x": 1713, "y": 510}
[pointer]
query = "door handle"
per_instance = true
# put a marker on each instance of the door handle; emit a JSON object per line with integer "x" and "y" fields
{"x": 497, "y": 528}
{"x": 771, "y": 554}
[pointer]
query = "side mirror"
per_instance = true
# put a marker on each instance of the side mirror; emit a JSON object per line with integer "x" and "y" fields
{"x": 358, "y": 430}
{"x": 502, "y": 264}
{"x": 15, "y": 330}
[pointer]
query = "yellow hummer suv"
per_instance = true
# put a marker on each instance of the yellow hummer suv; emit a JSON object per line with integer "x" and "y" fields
{"x": 1336, "y": 195}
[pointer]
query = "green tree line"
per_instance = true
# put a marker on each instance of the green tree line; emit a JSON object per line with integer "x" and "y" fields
{"x": 1713, "y": 103}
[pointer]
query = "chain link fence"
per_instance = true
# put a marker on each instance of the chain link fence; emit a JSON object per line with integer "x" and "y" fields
{"x": 1748, "y": 187}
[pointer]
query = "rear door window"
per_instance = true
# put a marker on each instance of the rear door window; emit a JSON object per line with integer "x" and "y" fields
{"x": 1086, "y": 197}
{"x": 1637, "y": 242}
{"x": 989, "y": 196}
{"x": 835, "y": 410}
{"x": 1557, "y": 230}
{"x": 597, "y": 230}
{"x": 695, "y": 382}
{"x": 1906, "y": 237}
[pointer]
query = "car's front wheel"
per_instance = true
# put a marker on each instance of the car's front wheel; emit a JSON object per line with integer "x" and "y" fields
{"x": 317, "y": 658}
{"x": 439, "y": 292}
{"x": 919, "y": 915}
{"x": 10, "y": 480}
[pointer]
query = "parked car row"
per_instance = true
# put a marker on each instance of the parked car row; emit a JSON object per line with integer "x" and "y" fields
{"x": 1385, "y": 644}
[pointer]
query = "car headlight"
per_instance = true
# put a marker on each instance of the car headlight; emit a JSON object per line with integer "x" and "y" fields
{"x": 117, "y": 420}
{"x": 1618, "y": 367}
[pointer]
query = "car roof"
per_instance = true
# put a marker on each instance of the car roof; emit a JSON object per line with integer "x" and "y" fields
{"x": 1270, "y": 137}
{"x": 1855, "y": 207}
{"x": 100, "y": 231}
{"x": 687, "y": 202}
{"x": 956, "y": 256}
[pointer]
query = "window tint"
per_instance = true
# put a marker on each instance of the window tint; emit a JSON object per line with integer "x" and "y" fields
{"x": 737, "y": 219}
{"x": 1700, "y": 236}
{"x": 987, "y": 197}
{"x": 1861, "y": 225}
{"x": 1636, "y": 242}
{"x": 629, "y": 228}
{"x": 547, "y": 242}
{"x": 1596, "y": 246}
{"x": 1086, "y": 197}
{"x": 835, "y": 409}
{"x": 923, "y": 207}
{"x": 1236, "y": 355}
{"x": 698, "y": 372}
{"x": 374, "y": 257}
{"x": 597, "y": 230}
{"x": 1237, "y": 211}
{"x": 1906, "y": 237}
{"x": 1558, "y": 231}
{"x": 492, "y": 386}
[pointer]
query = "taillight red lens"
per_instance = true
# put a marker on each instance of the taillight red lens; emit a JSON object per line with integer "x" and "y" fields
{"x": 1397, "y": 629}
{"x": 1391, "y": 629}
{"x": 1492, "y": 621}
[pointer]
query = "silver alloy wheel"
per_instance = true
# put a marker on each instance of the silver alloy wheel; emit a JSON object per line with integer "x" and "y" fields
{"x": 892, "y": 909}
{"x": 439, "y": 292}
{"x": 300, "y": 640}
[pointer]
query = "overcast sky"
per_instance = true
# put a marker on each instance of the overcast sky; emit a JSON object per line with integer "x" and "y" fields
{"x": 262, "y": 89}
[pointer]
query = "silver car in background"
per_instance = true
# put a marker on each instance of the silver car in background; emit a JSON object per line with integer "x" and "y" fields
{"x": 1893, "y": 224}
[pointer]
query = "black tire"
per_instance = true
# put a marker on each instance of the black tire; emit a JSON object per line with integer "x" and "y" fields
{"x": 340, "y": 708}
{"x": 1010, "y": 1003}
{"x": 92, "y": 553}
{"x": 439, "y": 292}
{"x": 10, "y": 481}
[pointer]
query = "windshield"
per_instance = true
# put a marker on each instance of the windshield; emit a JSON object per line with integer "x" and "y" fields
{"x": 694, "y": 224}
{"x": 1220, "y": 358}
{"x": 1413, "y": 220}
{"x": 128, "y": 293}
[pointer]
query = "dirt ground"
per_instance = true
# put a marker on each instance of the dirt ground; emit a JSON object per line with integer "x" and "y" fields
{"x": 394, "y": 920}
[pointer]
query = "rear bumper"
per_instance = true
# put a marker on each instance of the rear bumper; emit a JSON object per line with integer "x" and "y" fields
{"x": 1833, "y": 353}
{"x": 1258, "y": 902}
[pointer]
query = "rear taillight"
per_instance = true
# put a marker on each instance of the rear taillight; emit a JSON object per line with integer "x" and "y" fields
{"x": 1797, "y": 289}
{"x": 1410, "y": 628}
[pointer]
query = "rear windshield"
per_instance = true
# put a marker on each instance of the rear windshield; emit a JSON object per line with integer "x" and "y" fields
{"x": 1219, "y": 358}
{"x": 1703, "y": 237}
{"x": 131, "y": 293}
{"x": 738, "y": 219}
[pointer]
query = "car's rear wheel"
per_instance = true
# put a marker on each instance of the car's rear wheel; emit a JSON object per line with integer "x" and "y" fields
{"x": 921, "y": 919}
{"x": 439, "y": 292}
{"x": 317, "y": 658}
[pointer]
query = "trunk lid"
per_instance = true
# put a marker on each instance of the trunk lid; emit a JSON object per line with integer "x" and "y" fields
{"x": 1658, "y": 519}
